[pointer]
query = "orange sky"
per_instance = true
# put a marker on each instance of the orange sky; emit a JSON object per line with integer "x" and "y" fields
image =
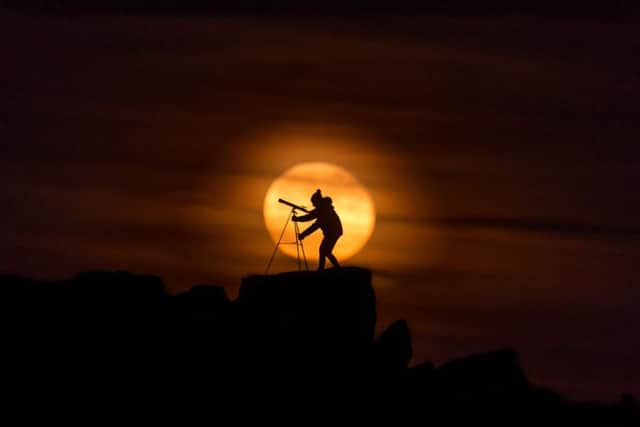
{"x": 502, "y": 157}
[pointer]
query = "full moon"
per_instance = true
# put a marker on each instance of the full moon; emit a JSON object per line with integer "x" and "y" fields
{"x": 351, "y": 200}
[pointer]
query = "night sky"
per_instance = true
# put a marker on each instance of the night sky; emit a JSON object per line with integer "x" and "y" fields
{"x": 501, "y": 151}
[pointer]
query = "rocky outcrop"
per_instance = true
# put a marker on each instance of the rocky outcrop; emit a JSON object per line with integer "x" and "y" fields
{"x": 392, "y": 351}
{"x": 293, "y": 331}
{"x": 309, "y": 315}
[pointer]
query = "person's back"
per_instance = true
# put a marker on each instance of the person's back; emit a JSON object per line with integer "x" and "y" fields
{"x": 328, "y": 219}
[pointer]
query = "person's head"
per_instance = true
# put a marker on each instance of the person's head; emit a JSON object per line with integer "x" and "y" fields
{"x": 316, "y": 198}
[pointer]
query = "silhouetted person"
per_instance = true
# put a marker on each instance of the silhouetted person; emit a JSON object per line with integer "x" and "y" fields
{"x": 328, "y": 221}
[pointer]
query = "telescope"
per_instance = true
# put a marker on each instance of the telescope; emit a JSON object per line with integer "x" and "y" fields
{"x": 293, "y": 205}
{"x": 296, "y": 230}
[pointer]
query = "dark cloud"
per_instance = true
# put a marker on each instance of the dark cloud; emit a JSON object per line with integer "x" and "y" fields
{"x": 525, "y": 225}
{"x": 600, "y": 8}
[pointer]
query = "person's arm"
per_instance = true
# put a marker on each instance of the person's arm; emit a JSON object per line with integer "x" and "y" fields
{"x": 304, "y": 218}
{"x": 309, "y": 230}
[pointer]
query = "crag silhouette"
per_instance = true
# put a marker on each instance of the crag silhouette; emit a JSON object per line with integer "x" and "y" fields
{"x": 300, "y": 331}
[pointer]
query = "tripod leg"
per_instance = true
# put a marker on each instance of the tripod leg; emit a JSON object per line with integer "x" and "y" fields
{"x": 304, "y": 256}
{"x": 301, "y": 248}
{"x": 296, "y": 230}
{"x": 275, "y": 250}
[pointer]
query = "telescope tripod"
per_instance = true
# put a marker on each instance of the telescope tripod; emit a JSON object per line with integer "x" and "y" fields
{"x": 297, "y": 242}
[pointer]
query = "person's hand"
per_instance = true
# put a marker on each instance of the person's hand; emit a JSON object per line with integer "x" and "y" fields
{"x": 301, "y": 236}
{"x": 294, "y": 219}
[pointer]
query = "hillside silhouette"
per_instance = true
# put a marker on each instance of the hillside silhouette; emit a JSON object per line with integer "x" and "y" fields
{"x": 301, "y": 330}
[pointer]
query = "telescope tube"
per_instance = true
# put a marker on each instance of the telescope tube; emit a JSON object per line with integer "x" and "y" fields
{"x": 293, "y": 205}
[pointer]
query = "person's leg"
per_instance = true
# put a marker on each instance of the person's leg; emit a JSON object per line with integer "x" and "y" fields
{"x": 324, "y": 252}
{"x": 333, "y": 260}
{"x": 330, "y": 243}
{"x": 321, "y": 261}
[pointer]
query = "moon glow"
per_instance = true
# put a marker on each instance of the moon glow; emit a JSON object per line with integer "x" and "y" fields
{"x": 351, "y": 200}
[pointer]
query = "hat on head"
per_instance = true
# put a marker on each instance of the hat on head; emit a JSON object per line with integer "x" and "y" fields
{"x": 316, "y": 198}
